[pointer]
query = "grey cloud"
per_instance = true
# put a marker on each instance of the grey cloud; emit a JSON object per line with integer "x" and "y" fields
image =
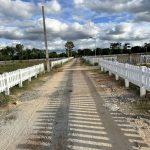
{"x": 117, "y": 30}
{"x": 118, "y": 6}
{"x": 36, "y": 34}
{"x": 18, "y": 9}
{"x": 144, "y": 16}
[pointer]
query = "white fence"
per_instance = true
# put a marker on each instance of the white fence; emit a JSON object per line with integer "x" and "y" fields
{"x": 10, "y": 79}
{"x": 60, "y": 62}
{"x": 139, "y": 76}
{"x": 94, "y": 60}
{"x": 145, "y": 59}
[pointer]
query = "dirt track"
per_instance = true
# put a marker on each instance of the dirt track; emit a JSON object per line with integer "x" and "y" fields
{"x": 68, "y": 115}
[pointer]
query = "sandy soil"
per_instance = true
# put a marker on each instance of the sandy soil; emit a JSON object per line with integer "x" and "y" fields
{"x": 68, "y": 112}
{"x": 117, "y": 98}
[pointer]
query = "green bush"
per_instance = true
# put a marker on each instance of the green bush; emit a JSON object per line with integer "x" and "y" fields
{"x": 4, "y": 99}
{"x": 95, "y": 64}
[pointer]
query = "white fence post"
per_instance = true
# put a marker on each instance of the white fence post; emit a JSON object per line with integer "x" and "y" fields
{"x": 20, "y": 76}
{"x": 7, "y": 90}
{"x": 142, "y": 88}
{"x": 126, "y": 83}
{"x": 110, "y": 73}
{"x": 29, "y": 79}
{"x": 93, "y": 60}
{"x": 126, "y": 76}
{"x": 116, "y": 77}
{"x": 36, "y": 67}
{"x": 8, "y": 80}
{"x": 116, "y": 73}
{"x": 130, "y": 73}
{"x": 51, "y": 63}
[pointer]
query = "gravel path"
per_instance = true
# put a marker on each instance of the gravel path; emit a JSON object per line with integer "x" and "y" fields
{"x": 68, "y": 113}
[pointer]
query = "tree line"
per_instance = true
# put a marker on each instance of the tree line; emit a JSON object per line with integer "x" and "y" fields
{"x": 115, "y": 48}
{"x": 18, "y": 52}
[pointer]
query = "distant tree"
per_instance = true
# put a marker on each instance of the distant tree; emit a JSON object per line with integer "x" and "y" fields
{"x": 19, "y": 50}
{"x": 106, "y": 51}
{"x": 80, "y": 52}
{"x": 62, "y": 55}
{"x": 147, "y": 47}
{"x": 7, "y": 53}
{"x": 136, "y": 49}
{"x": 115, "y": 45}
{"x": 127, "y": 48}
{"x": 98, "y": 51}
{"x": 69, "y": 47}
{"x": 53, "y": 55}
{"x": 115, "y": 48}
{"x": 74, "y": 53}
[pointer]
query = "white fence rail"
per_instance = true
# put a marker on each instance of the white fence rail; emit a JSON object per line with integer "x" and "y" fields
{"x": 59, "y": 62}
{"x": 10, "y": 79}
{"x": 145, "y": 59}
{"x": 94, "y": 60}
{"x": 139, "y": 76}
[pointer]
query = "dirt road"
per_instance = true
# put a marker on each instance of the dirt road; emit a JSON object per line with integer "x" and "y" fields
{"x": 68, "y": 114}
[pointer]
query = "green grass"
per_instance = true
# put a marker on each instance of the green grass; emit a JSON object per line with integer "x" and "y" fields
{"x": 8, "y": 67}
{"x": 27, "y": 86}
{"x": 4, "y": 99}
{"x": 35, "y": 82}
{"x": 95, "y": 64}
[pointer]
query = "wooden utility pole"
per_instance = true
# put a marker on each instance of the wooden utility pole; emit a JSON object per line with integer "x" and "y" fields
{"x": 45, "y": 40}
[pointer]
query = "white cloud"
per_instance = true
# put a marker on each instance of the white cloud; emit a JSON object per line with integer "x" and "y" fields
{"x": 23, "y": 10}
{"x": 17, "y": 23}
{"x": 55, "y": 25}
{"x": 140, "y": 8}
{"x": 55, "y": 29}
{"x": 79, "y": 33}
{"x": 17, "y": 8}
{"x": 142, "y": 16}
{"x": 78, "y": 2}
{"x": 51, "y": 6}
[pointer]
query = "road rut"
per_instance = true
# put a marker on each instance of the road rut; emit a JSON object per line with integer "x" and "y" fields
{"x": 69, "y": 115}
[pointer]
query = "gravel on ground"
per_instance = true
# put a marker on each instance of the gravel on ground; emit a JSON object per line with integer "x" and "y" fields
{"x": 71, "y": 111}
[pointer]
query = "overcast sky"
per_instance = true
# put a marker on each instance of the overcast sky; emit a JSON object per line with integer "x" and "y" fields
{"x": 77, "y": 20}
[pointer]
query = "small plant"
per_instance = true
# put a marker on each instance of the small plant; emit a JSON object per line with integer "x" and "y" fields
{"x": 86, "y": 62}
{"x": 4, "y": 99}
{"x": 141, "y": 105}
{"x": 95, "y": 64}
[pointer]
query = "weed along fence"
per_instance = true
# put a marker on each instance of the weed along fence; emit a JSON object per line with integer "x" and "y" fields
{"x": 10, "y": 79}
{"x": 139, "y": 76}
{"x": 60, "y": 62}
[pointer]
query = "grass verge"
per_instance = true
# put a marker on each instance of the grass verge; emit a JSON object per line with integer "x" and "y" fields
{"x": 27, "y": 86}
{"x": 5, "y": 99}
{"x": 17, "y": 65}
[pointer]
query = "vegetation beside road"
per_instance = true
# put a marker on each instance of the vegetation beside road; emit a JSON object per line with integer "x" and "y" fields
{"x": 19, "y": 52}
{"x": 27, "y": 86}
{"x": 8, "y": 67}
